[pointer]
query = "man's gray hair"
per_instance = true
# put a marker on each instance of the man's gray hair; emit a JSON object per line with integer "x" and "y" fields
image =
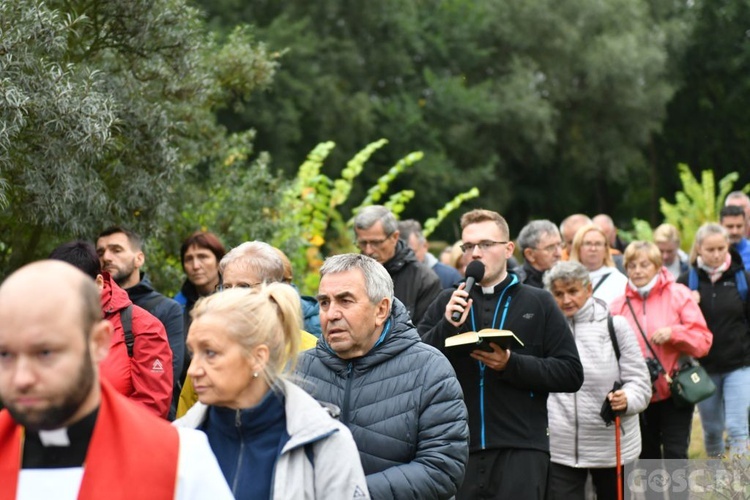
{"x": 408, "y": 227}
{"x": 737, "y": 195}
{"x": 368, "y": 216}
{"x": 258, "y": 257}
{"x": 567, "y": 271}
{"x": 532, "y": 233}
{"x": 378, "y": 283}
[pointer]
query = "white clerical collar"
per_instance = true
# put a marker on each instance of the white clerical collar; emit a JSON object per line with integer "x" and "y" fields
{"x": 57, "y": 437}
{"x": 489, "y": 290}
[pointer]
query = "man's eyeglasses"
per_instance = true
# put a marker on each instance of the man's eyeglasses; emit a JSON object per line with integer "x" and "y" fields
{"x": 362, "y": 244}
{"x": 551, "y": 248}
{"x": 483, "y": 245}
{"x": 222, "y": 286}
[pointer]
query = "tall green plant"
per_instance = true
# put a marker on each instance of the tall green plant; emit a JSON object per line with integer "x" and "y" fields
{"x": 433, "y": 222}
{"x": 696, "y": 204}
{"x": 312, "y": 216}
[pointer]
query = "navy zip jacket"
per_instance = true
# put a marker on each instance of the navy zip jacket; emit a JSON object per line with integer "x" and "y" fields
{"x": 404, "y": 407}
{"x": 508, "y": 409}
{"x": 247, "y": 443}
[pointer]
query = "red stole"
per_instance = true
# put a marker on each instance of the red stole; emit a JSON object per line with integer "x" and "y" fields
{"x": 132, "y": 453}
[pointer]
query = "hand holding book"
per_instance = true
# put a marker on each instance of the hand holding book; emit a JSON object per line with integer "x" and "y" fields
{"x": 466, "y": 343}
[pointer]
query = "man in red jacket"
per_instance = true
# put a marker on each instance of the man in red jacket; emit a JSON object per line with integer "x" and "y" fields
{"x": 139, "y": 367}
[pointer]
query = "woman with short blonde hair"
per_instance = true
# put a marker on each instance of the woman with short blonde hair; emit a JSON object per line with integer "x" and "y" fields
{"x": 591, "y": 248}
{"x": 668, "y": 325}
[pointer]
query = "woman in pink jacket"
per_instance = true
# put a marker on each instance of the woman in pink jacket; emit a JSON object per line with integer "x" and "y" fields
{"x": 663, "y": 314}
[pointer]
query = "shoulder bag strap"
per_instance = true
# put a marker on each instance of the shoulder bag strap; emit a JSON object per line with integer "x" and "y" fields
{"x": 604, "y": 278}
{"x": 648, "y": 344}
{"x": 613, "y": 336}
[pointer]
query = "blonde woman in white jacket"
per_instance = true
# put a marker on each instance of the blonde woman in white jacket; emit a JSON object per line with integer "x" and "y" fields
{"x": 272, "y": 440}
{"x": 580, "y": 441}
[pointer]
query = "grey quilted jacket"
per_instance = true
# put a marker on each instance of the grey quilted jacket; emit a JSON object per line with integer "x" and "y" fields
{"x": 405, "y": 409}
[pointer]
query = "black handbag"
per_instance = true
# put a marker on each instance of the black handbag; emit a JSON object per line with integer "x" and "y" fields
{"x": 690, "y": 383}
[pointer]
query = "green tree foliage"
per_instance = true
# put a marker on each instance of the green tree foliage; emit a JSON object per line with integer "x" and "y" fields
{"x": 707, "y": 125}
{"x": 107, "y": 106}
{"x": 528, "y": 98}
{"x": 236, "y": 196}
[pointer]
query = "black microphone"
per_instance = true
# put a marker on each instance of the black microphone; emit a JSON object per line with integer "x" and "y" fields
{"x": 474, "y": 273}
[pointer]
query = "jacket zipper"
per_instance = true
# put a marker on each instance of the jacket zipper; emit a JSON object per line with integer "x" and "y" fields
{"x": 575, "y": 409}
{"x": 347, "y": 393}
{"x": 483, "y": 428}
{"x": 575, "y": 400}
{"x": 238, "y": 426}
{"x": 481, "y": 400}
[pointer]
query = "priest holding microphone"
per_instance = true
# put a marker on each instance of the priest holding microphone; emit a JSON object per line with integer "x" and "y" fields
{"x": 505, "y": 390}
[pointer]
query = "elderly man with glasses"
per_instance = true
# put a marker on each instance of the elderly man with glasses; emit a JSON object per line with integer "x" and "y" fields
{"x": 505, "y": 390}
{"x": 248, "y": 265}
{"x": 541, "y": 247}
{"x": 415, "y": 284}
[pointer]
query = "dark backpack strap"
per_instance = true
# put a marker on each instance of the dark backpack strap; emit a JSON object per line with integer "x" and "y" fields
{"x": 693, "y": 279}
{"x": 613, "y": 336}
{"x": 741, "y": 281}
{"x": 126, "y": 318}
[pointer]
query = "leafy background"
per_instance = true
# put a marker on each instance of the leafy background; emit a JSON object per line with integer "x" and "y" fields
{"x": 170, "y": 116}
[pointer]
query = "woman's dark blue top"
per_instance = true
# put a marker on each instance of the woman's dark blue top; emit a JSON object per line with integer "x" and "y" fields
{"x": 247, "y": 443}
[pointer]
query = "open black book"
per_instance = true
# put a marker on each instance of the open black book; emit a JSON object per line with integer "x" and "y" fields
{"x": 470, "y": 341}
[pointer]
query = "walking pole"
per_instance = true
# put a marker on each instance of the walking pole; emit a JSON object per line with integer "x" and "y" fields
{"x": 619, "y": 457}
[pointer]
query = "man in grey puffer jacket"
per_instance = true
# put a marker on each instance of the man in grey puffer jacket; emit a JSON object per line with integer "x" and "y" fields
{"x": 399, "y": 397}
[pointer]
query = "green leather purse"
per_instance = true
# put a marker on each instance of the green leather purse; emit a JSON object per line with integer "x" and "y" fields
{"x": 690, "y": 384}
